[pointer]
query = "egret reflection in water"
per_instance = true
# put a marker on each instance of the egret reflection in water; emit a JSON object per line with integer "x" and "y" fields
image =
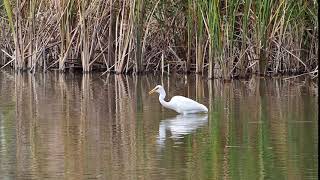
{"x": 180, "y": 125}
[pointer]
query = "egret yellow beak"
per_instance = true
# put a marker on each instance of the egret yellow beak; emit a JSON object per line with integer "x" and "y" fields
{"x": 152, "y": 91}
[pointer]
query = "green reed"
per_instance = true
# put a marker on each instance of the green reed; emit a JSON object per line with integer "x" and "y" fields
{"x": 220, "y": 39}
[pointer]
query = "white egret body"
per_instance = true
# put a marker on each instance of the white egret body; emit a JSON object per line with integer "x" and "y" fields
{"x": 179, "y": 104}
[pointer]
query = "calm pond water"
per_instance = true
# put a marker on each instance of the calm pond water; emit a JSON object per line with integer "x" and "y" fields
{"x": 69, "y": 126}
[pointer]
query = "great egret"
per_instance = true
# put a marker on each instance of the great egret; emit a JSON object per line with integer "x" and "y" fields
{"x": 179, "y": 104}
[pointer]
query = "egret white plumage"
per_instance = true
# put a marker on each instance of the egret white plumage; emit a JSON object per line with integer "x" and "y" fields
{"x": 179, "y": 104}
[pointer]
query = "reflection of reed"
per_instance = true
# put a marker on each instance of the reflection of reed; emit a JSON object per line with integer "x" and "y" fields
{"x": 80, "y": 127}
{"x": 199, "y": 87}
{"x": 259, "y": 125}
{"x": 22, "y": 129}
{"x": 123, "y": 132}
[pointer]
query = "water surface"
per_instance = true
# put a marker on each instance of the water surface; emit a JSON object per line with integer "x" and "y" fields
{"x": 69, "y": 126}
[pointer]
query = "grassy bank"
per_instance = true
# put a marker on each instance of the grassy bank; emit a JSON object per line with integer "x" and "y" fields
{"x": 220, "y": 39}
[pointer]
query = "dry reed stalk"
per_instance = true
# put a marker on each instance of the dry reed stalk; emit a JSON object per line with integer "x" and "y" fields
{"x": 123, "y": 35}
{"x": 64, "y": 32}
{"x": 232, "y": 38}
{"x": 139, "y": 22}
{"x": 84, "y": 36}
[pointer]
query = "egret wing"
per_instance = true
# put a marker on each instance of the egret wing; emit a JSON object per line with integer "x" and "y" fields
{"x": 183, "y": 104}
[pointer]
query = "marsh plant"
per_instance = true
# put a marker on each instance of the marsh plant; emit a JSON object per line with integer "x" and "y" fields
{"x": 219, "y": 39}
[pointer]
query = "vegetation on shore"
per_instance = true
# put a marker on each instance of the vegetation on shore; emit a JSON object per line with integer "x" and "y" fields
{"x": 220, "y": 39}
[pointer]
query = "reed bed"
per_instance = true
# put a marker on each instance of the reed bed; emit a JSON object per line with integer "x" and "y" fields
{"x": 219, "y": 39}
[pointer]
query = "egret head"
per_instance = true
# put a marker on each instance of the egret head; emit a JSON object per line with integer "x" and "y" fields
{"x": 157, "y": 89}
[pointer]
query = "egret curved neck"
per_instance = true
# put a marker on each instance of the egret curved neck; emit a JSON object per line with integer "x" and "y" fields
{"x": 162, "y": 95}
{"x": 164, "y": 103}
